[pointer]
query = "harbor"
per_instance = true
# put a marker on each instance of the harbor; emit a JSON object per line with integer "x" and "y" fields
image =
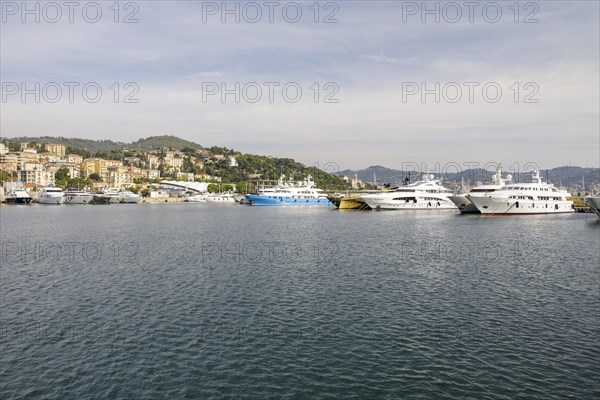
{"x": 500, "y": 197}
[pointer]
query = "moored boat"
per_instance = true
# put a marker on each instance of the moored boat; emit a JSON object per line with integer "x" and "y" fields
{"x": 534, "y": 198}
{"x": 76, "y": 196}
{"x": 221, "y": 198}
{"x": 107, "y": 197}
{"x": 18, "y": 196}
{"x": 463, "y": 201}
{"x": 51, "y": 195}
{"x": 353, "y": 202}
{"x": 426, "y": 194}
{"x": 197, "y": 198}
{"x": 593, "y": 202}
{"x": 300, "y": 194}
{"x": 128, "y": 197}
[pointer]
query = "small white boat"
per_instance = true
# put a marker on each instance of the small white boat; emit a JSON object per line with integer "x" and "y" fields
{"x": 222, "y": 198}
{"x": 51, "y": 195}
{"x": 198, "y": 198}
{"x": 75, "y": 196}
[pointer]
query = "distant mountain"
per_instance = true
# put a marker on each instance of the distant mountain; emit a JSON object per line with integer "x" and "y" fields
{"x": 566, "y": 176}
{"x": 152, "y": 142}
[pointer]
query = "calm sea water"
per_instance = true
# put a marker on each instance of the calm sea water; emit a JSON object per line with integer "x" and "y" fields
{"x": 200, "y": 301}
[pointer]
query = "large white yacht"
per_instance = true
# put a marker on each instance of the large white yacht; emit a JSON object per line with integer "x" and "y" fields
{"x": 426, "y": 194}
{"x": 594, "y": 203}
{"x": 76, "y": 196}
{"x": 532, "y": 198}
{"x": 129, "y": 197}
{"x": 51, "y": 195}
{"x": 463, "y": 202}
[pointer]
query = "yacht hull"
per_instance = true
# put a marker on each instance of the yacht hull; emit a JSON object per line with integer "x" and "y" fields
{"x": 51, "y": 200}
{"x": 80, "y": 199}
{"x": 386, "y": 203}
{"x": 256, "y": 200}
{"x": 18, "y": 200}
{"x": 464, "y": 205}
{"x": 131, "y": 200}
{"x": 353, "y": 203}
{"x": 100, "y": 199}
{"x": 489, "y": 207}
{"x": 594, "y": 203}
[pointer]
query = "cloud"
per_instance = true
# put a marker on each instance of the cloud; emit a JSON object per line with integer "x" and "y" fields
{"x": 382, "y": 58}
{"x": 369, "y": 54}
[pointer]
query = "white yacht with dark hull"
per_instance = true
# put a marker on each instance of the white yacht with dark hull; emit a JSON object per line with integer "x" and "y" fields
{"x": 535, "y": 198}
{"x": 51, "y": 195}
{"x": 593, "y": 202}
{"x": 463, "y": 201}
{"x": 426, "y": 194}
{"x": 18, "y": 196}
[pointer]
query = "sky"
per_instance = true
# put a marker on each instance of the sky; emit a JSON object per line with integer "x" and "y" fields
{"x": 366, "y": 82}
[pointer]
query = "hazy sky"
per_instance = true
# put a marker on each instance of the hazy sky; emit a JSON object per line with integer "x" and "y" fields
{"x": 375, "y": 61}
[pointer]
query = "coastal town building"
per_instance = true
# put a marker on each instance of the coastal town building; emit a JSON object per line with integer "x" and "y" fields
{"x": 94, "y": 166}
{"x": 35, "y": 173}
{"x": 74, "y": 158}
{"x": 9, "y": 162}
{"x": 57, "y": 149}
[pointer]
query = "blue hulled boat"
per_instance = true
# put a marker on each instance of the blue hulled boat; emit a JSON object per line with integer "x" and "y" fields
{"x": 290, "y": 194}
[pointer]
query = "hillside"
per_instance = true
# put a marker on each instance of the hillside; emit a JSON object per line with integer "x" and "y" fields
{"x": 156, "y": 142}
{"x": 94, "y": 146}
{"x": 250, "y": 167}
